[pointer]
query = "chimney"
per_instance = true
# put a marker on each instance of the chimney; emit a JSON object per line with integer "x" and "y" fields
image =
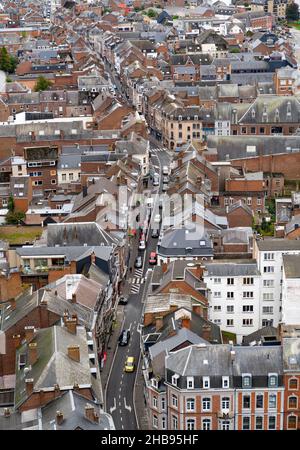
{"x": 158, "y": 323}
{"x": 12, "y": 302}
{"x": 71, "y": 325}
{"x": 206, "y": 332}
{"x": 232, "y": 355}
{"x": 29, "y": 386}
{"x": 6, "y": 412}
{"x": 84, "y": 191}
{"x": 29, "y": 333}
{"x": 65, "y": 316}
{"x": 91, "y": 414}
{"x": 93, "y": 258}
{"x": 59, "y": 417}
{"x": 73, "y": 298}
{"x": 186, "y": 322}
{"x": 33, "y": 353}
{"x": 74, "y": 352}
{"x": 17, "y": 340}
{"x": 197, "y": 309}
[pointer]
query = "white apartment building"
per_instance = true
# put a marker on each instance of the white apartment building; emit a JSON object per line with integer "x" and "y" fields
{"x": 291, "y": 290}
{"x": 269, "y": 255}
{"x": 234, "y": 299}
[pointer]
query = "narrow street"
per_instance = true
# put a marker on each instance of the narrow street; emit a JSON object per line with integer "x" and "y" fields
{"x": 120, "y": 388}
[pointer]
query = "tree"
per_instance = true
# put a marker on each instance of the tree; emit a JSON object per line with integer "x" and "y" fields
{"x": 14, "y": 217}
{"x": 292, "y": 12}
{"x": 151, "y": 13}
{"x": 42, "y": 84}
{"x": 8, "y": 63}
{"x": 11, "y": 204}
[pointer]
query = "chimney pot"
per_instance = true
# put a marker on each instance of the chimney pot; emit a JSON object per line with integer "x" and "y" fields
{"x": 29, "y": 333}
{"x": 59, "y": 417}
{"x": 186, "y": 322}
{"x": 74, "y": 352}
{"x": 91, "y": 414}
{"x": 33, "y": 353}
{"x": 73, "y": 298}
{"x": 17, "y": 340}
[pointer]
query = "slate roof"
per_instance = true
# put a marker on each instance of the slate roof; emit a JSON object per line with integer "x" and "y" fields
{"x": 278, "y": 245}
{"x": 291, "y": 264}
{"x": 175, "y": 242}
{"x": 234, "y": 269}
{"x": 77, "y": 234}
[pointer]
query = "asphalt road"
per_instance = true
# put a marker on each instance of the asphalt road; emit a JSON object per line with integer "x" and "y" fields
{"x": 120, "y": 387}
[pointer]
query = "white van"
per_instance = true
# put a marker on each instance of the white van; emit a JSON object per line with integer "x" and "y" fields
{"x": 165, "y": 170}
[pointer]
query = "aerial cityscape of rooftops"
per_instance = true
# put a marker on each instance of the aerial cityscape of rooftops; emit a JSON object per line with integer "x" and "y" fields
{"x": 149, "y": 215}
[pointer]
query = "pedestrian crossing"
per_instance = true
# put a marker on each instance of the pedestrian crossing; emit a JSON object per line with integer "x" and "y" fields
{"x": 136, "y": 281}
{"x": 159, "y": 149}
{"x": 138, "y": 272}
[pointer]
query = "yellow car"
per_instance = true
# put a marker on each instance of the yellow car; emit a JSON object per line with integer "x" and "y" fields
{"x": 129, "y": 365}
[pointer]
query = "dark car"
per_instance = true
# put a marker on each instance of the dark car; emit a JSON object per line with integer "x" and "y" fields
{"x": 138, "y": 262}
{"x": 123, "y": 300}
{"x": 124, "y": 337}
{"x": 155, "y": 233}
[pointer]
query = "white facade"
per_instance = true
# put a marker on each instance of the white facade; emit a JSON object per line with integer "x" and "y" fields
{"x": 222, "y": 127}
{"x": 234, "y": 299}
{"x": 291, "y": 291}
{"x": 268, "y": 254}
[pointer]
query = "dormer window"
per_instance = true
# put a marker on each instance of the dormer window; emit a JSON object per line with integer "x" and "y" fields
{"x": 225, "y": 382}
{"x": 175, "y": 379}
{"x": 154, "y": 383}
{"x": 206, "y": 383}
{"x": 246, "y": 381}
{"x": 190, "y": 383}
{"x": 273, "y": 380}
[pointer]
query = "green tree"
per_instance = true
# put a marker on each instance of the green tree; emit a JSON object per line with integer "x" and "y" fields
{"x": 11, "y": 204}
{"x": 8, "y": 63}
{"x": 14, "y": 217}
{"x": 292, "y": 12}
{"x": 151, "y": 13}
{"x": 42, "y": 84}
{"x": 235, "y": 50}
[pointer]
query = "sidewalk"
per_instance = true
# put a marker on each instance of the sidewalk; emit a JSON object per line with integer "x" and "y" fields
{"x": 140, "y": 404}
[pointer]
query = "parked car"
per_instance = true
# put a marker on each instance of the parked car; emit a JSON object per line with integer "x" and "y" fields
{"x": 155, "y": 233}
{"x": 157, "y": 218}
{"x": 166, "y": 179}
{"x": 129, "y": 365}
{"x": 138, "y": 262}
{"x": 124, "y": 337}
{"x": 142, "y": 245}
{"x": 165, "y": 170}
{"x": 155, "y": 179}
{"x": 165, "y": 187}
{"x": 123, "y": 300}
{"x": 153, "y": 258}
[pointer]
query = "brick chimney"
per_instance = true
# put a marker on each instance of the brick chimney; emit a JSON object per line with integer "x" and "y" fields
{"x": 206, "y": 332}
{"x": 71, "y": 325}
{"x": 197, "y": 309}
{"x": 93, "y": 258}
{"x": 32, "y": 353}
{"x": 12, "y": 302}
{"x": 158, "y": 323}
{"x": 186, "y": 322}
{"x": 29, "y": 333}
{"x": 74, "y": 352}
{"x": 91, "y": 414}
{"x": 65, "y": 316}
{"x": 29, "y": 385}
{"x": 73, "y": 300}
{"x": 17, "y": 340}
{"x": 59, "y": 417}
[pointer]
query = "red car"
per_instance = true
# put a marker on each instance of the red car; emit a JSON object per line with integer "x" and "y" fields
{"x": 153, "y": 258}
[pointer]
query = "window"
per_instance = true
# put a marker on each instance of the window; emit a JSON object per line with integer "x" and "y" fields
{"x": 206, "y": 402}
{"x": 225, "y": 382}
{"x": 267, "y": 310}
{"x": 230, "y": 323}
{"x": 217, "y": 280}
{"x": 190, "y": 383}
{"x": 246, "y": 423}
{"x": 268, "y": 283}
{"x": 259, "y": 401}
{"x": 155, "y": 421}
{"x": 292, "y": 422}
{"x": 261, "y": 130}
{"x": 267, "y": 322}
{"x": 53, "y": 181}
{"x": 259, "y": 423}
{"x": 268, "y": 269}
{"x": 246, "y": 381}
{"x": 163, "y": 423}
{"x": 293, "y": 384}
{"x": 37, "y": 183}
{"x": 163, "y": 403}
{"x": 206, "y": 383}
{"x": 174, "y": 379}
{"x": 155, "y": 402}
{"x": 190, "y": 404}
{"x": 249, "y": 201}
{"x": 272, "y": 423}
{"x": 217, "y": 308}
{"x": 64, "y": 177}
{"x": 252, "y": 130}
{"x": 248, "y": 308}
{"x": 225, "y": 403}
{"x": 190, "y": 424}
{"x": 217, "y": 294}
{"x": 272, "y": 400}
{"x": 206, "y": 424}
{"x": 273, "y": 380}
{"x": 230, "y": 280}
{"x": 246, "y": 401}
{"x": 269, "y": 256}
{"x": 71, "y": 176}
{"x": 268, "y": 296}
{"x": 248, "y": 280}
{"x": 293, "y": 402}
{"x": 248, "y": 294}
{"x": 230, "y": 294}
{"x": 230, "y": 309}
{"x": 174, "y": 399}
{"x": 247, "y": 322}
{"x": 174, "y": 423}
